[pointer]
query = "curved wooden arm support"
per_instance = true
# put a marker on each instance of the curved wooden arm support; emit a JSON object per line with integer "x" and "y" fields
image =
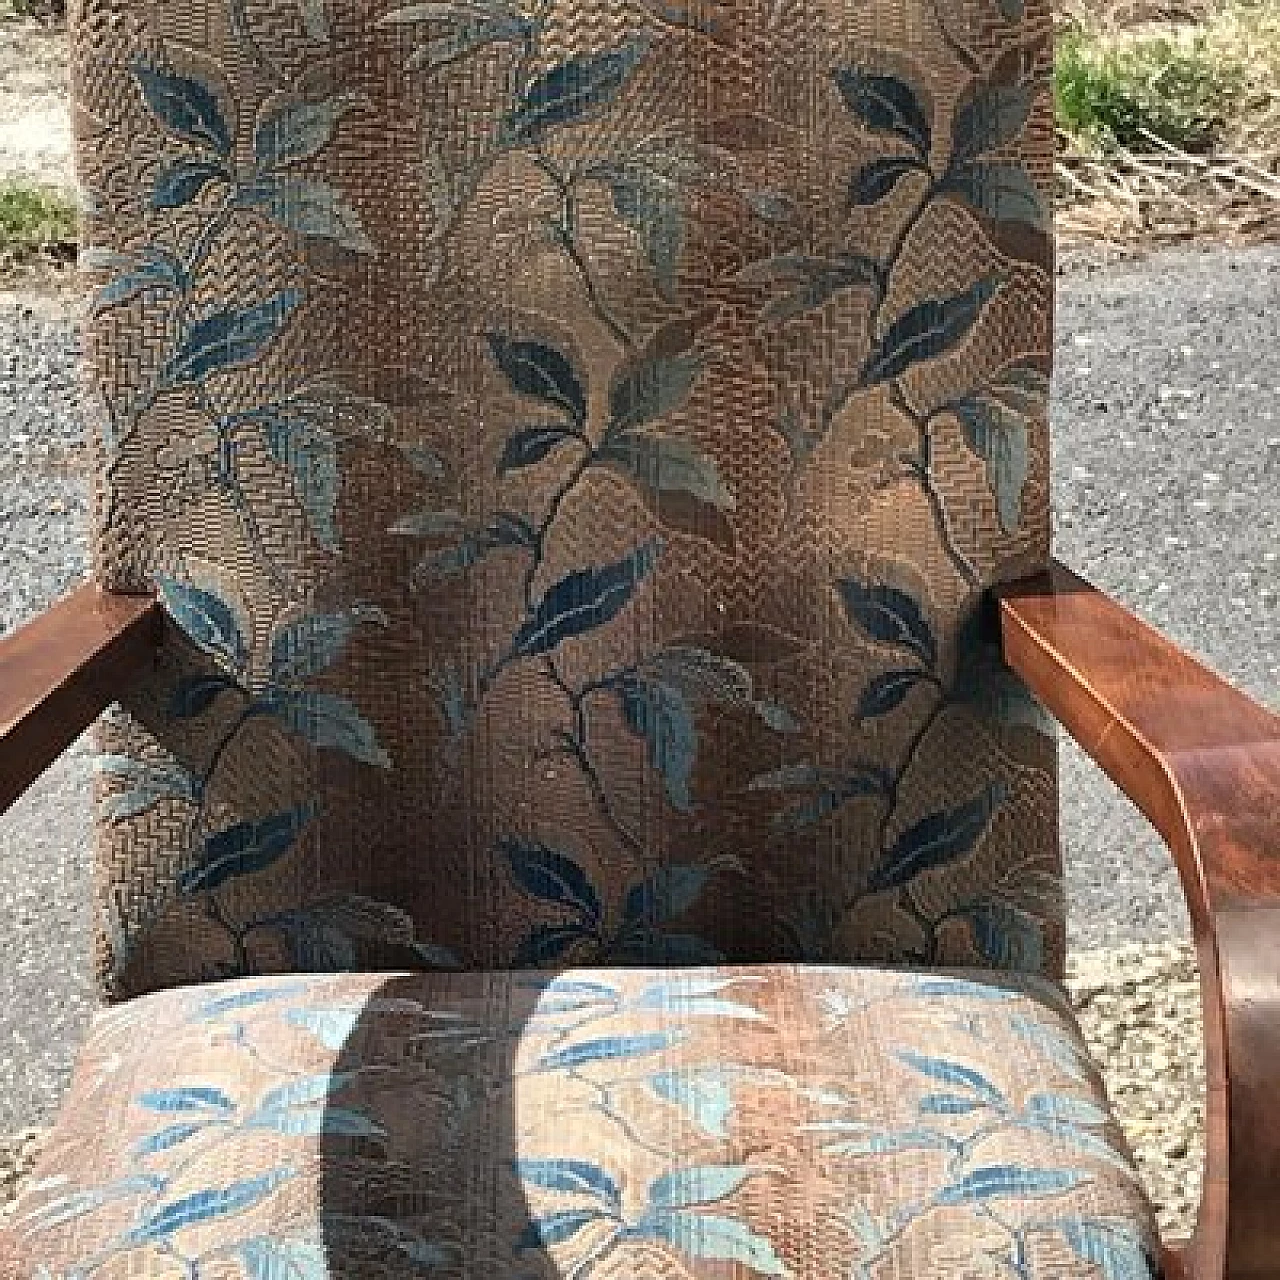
{"x": 1202, "y": 761}
{"x": 60, "y": 670}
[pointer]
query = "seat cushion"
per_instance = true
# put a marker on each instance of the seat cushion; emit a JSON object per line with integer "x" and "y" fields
{"x": 615, "y": 1124}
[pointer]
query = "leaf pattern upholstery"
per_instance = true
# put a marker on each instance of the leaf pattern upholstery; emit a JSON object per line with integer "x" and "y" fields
{"x": 572, "y": 441}
{"x": 778, "y": 1121}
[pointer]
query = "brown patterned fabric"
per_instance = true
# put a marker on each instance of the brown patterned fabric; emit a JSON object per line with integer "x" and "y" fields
{"x": 808, "y": 1122}
{"x": 574, "y": 438}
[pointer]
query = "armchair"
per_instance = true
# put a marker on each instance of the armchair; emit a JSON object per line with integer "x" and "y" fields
{"x": 573, "y": 613}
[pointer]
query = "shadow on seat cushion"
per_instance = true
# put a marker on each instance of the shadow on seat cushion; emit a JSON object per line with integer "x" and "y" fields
{"x": 815, "y": 1122}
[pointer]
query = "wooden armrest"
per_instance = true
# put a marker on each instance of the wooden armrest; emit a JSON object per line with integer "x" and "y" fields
{"x": 1202, "y": 761}
{"x": 60, "y": 670}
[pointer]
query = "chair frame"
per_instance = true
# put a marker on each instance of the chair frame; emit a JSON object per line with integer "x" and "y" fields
{"x": 1199, "y": 759}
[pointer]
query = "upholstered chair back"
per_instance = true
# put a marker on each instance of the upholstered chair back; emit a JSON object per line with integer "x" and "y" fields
{"x": 572, "y": 440}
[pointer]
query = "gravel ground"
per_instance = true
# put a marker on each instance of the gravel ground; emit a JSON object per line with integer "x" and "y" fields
{"x": 1165, "y": 471}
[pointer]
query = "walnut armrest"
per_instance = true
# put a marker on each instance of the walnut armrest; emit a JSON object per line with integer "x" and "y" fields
{"x": 1202, "y": 761}
{"x": 60, "y": 670}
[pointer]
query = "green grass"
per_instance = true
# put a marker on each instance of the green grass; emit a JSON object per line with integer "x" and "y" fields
{"x": 33, "y": 8}
{"x": 34, "y": 222}
{"x": 1178, "y": 87}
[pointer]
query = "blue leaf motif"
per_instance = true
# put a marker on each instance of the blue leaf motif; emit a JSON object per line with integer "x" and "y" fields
{"x": 312, "y": 644}
{"x": 210, "y": 622}
{"x": 179, "y": 183}
{"x": 568, "y": 92}
{"x": 297, "y": 130}
{"x": 662, "y": 715}
{"x": 185, "y": 106}
{"x": 889, "y": 616}
{"x": 309, "y": 207}
{"x": 1009, "y": 1181}
{"x": 874, "y": 181}
{"x": 885, "y": 104}
{"x": 63, "y": 1209}
{"x": 608, "y": 1048}
{"x": 653, "y": 207}
{"x": 674, "y": 996}
{"x": 925, "y": 331}
{"x": 666, "y": 466}
{"x": 153, "y": 272}
{"x": 307, "y": 1090}
{"x": 835, "y": 790}
{"x": 317, "y": 945}
{"x": 551, "y": 877}
{"x": 204, "y": 1206}
{"x": 716, "y": 1238}
{"x": 547, "y": 943}
{"x": 302, "y": 649}
{"x": 233, "y": 336}
{"x": 151, "y": 781}
{"x": 956, "y": 988}
{"x": 244, "y": 849}
{"x": 886, "y": 691}
{"x": 163, "y": 1139}
{"x": 699, "y": 1184}
{"x": 669, "y": 892}
{"x": 1059, "y": 1108}
{"x": 326, "y": 720}
{"x": 332, "y": 1027}
{"x": 649, "y": 387}
{"x": 584, "y": 600}
{"x": 1112, "y": 1247}
{"x": 1002, "y": 192}
{"x": 947, "y": 1104}
{"x": 999, "y": 437}
{"x": 937, "y": 840}
{"x": 271, "y": 1258}
{"x": 879, "y": 1144}
{"x": 704, "y": 1095}
{"x": 555, "y": 1228}
{"x": 775, "y": 716}
{"x": 562, "y": 995}
{"x": 310, "y": 453}
{"x": 466, "y": 37}
{"x": 187, "y": 1098}
{"x": 987, "y": 117}
{"x": 194, "y": 696}
{"x": 537, "y": 370}
{"x": 692, "y": 986}
{"x": 571, "y": 1176}
{"x": 120, "y": 806}
{"x": 434, "y": 956}
{"x": 216, "y": 1007}
{"x": 310, "y": 1122}
{"x": 811, "y": 283}
{"x": 1007, "y": 936}
{"x": 949, "y": 1072}
{"x": 532, "y": 444}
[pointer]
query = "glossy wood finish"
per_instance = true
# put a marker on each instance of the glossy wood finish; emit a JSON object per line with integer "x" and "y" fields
{"x": 60, "y": 670}
{"x": 1202, "y": 761}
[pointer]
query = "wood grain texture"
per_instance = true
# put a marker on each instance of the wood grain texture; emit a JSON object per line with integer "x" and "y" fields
{"x": 59, "y": 671}
{"x": 1202, "y": 761}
